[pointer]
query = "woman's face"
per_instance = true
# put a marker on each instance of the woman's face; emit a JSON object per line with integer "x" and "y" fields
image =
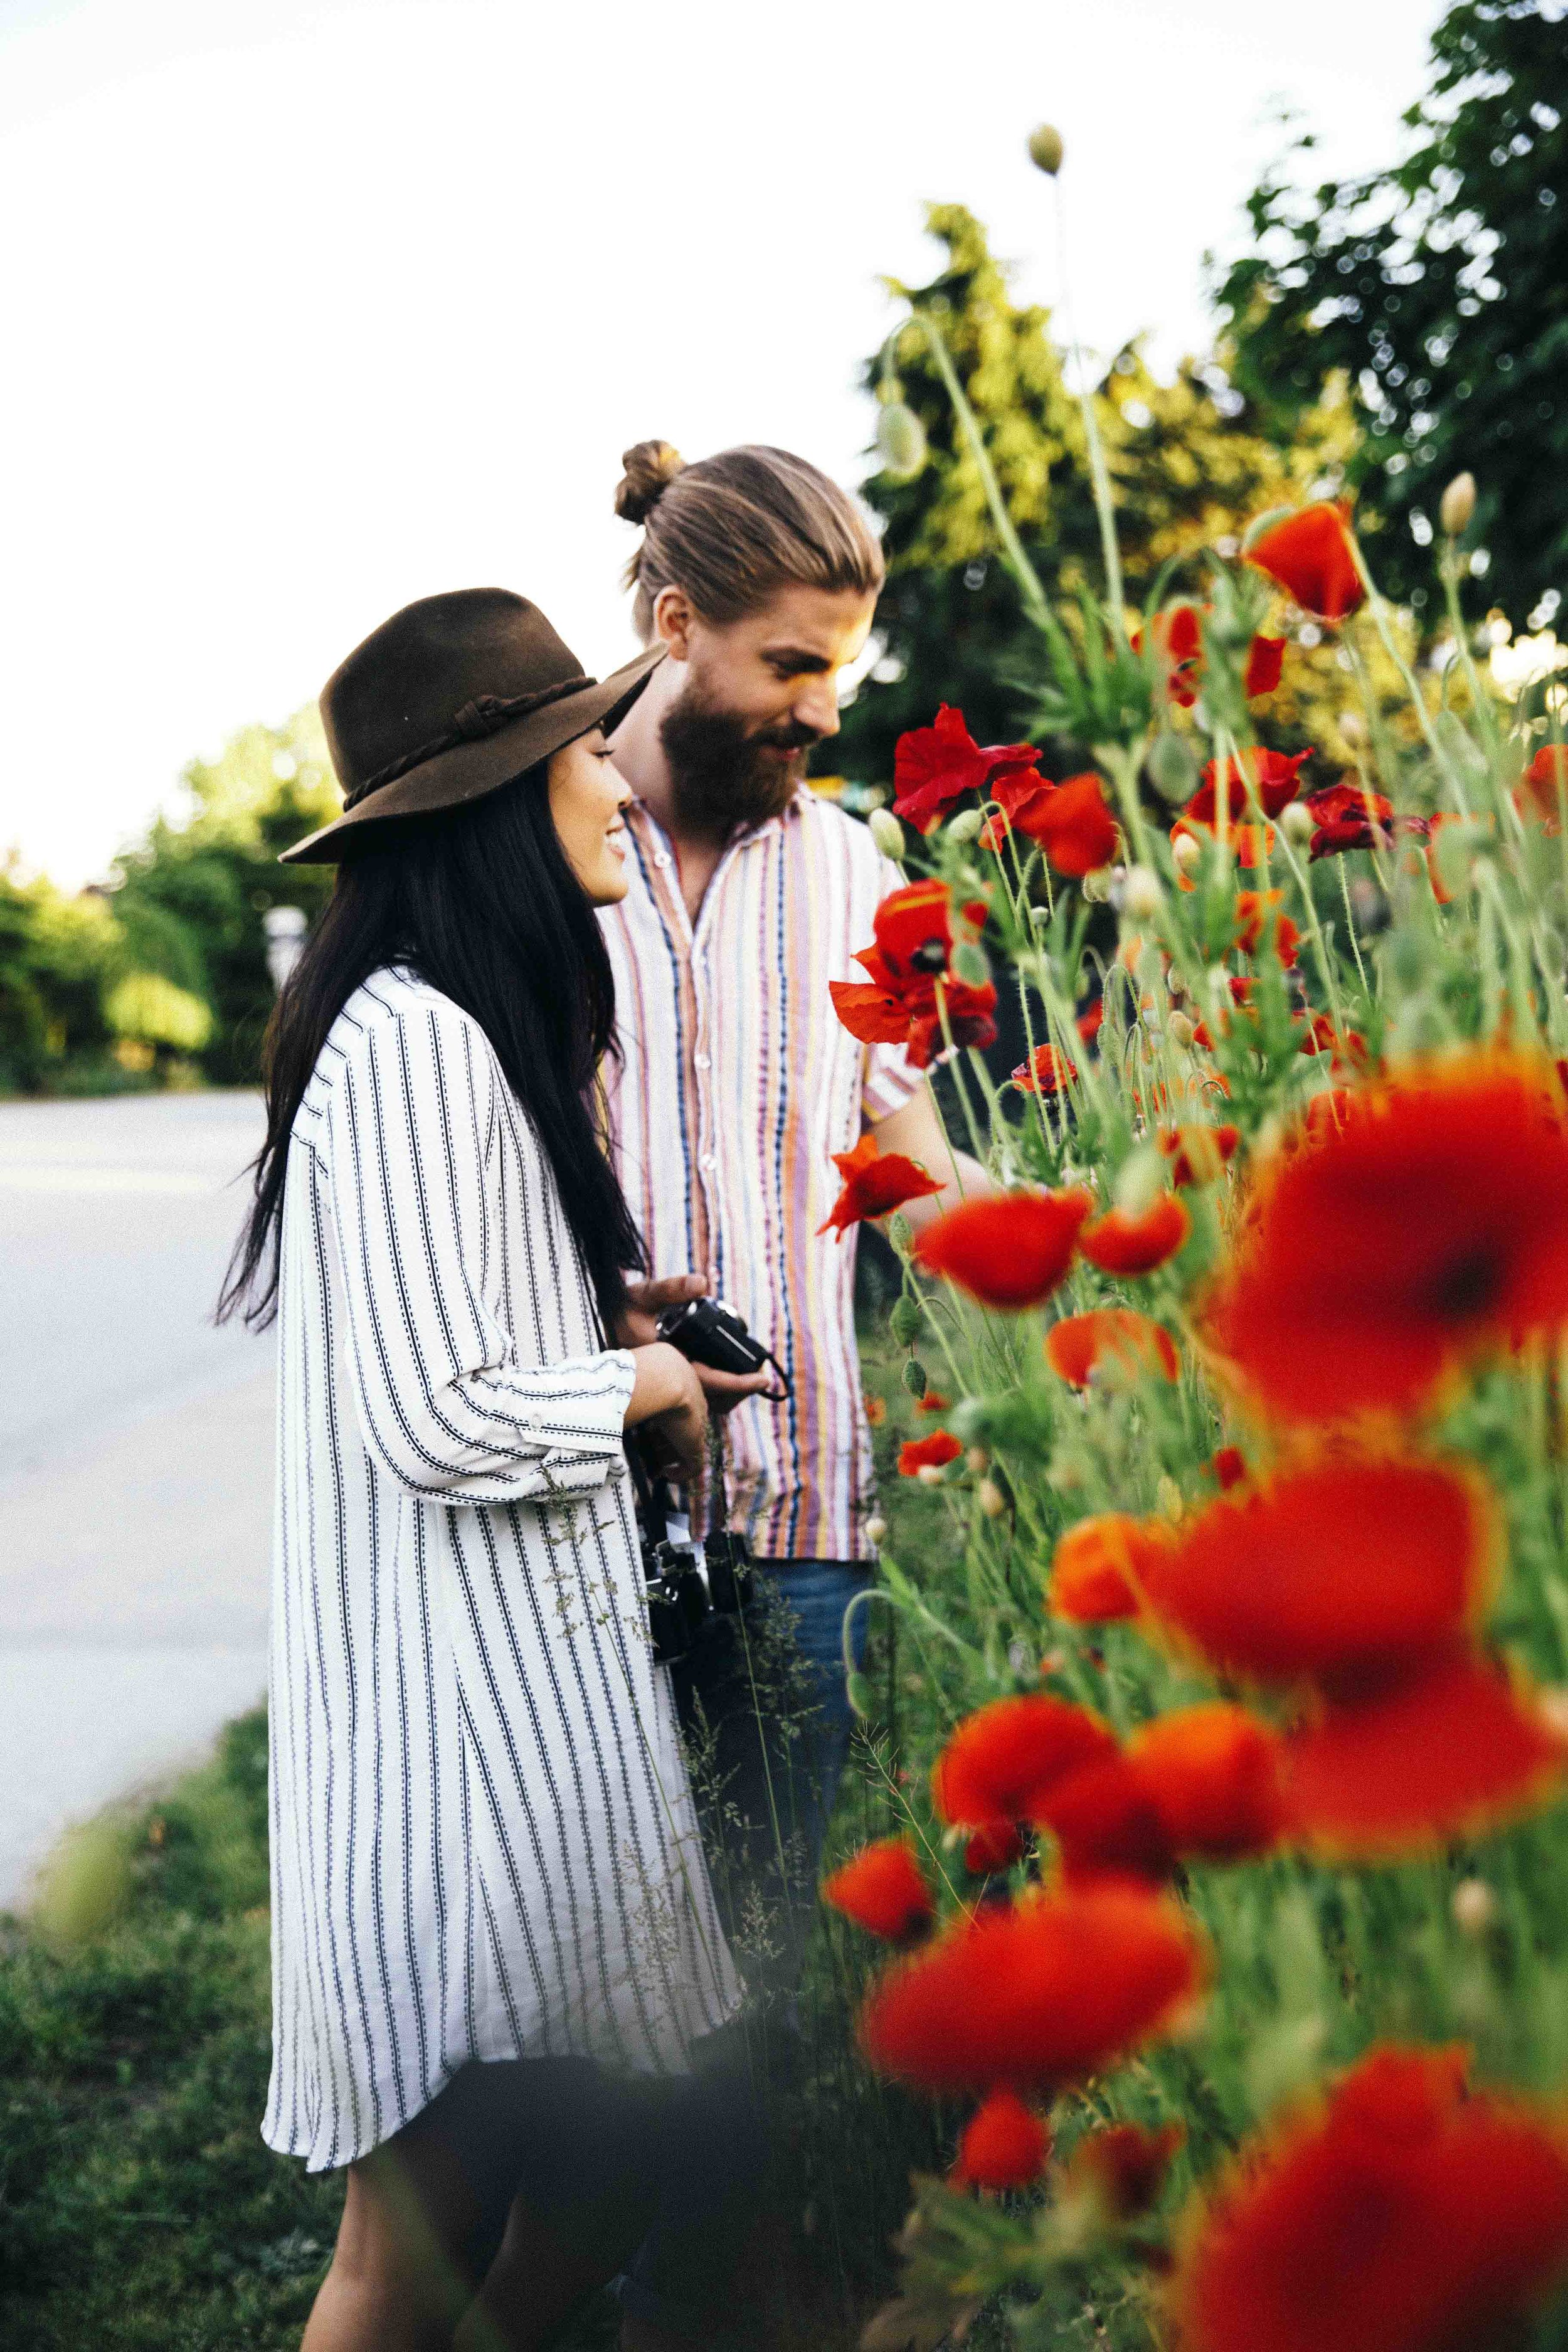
{"x": 587, "y": 793}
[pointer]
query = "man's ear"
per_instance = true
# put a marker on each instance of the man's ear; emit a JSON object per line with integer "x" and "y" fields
{"x": 672, "y": 620}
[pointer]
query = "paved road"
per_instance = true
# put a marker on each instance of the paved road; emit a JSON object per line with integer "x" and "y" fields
{"x": 135, "y": 1453}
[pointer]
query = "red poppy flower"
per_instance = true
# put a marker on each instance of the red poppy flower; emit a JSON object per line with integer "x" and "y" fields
{"x": 995, "y": 1847}
{"x": 1265, "y": 667}
{"x": 1122, "y": 2167}
{"x": 1116, "y": 1338}
{"x": 935, "y": 765}
{"x": 874, "y": 1184}
{"x": 1398, "y": 2216}
{"x": 1089, "y": 1023}
{"x": 1073, "y": 825}
{"x": 933, "y": 1401}
{"x": 1011, "y": 1251}
{"x": 882, "y": 1890}
{"x": 912, "y": 929}
{"x": 1452, "y": 1749}
{"x": 1096, "y": 1571}
{"x": 1369, "y": 1563}
{"x": 1259, "y": 779}
{"x": 876, "y": 1411}
{"x": 1200, "y": 1785}
{"x": 1428, "y": 1223}
{"x": 1001, "y": 1761}
{"x": 1020, "y": 798}
{"x": 1044, "y": 1072}
{"x": 918, "y": 1454}
{"x": 1124, "y": 1242}
{"x": 1004, "y": 2145}
{"x": 1538, "y": 791}
{"x": 967, "y": 1010}
{"x": 1347, "y": 1049}
{"x": 1352, "y": 816}
{"x": 874, "y": 1012}
{"x": 1257, "y": 918}
{"x": 1228, "y": 1467}
{"x": 1310, "y": 554}
{"x": 1197, "y": 1154}
{"x": 1041, "y": 1993}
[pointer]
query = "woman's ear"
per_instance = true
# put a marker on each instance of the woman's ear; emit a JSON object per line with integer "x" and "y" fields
{"x": 672, "y": 620}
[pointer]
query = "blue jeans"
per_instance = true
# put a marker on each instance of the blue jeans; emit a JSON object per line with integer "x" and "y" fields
{"x": 767, "y": 1721}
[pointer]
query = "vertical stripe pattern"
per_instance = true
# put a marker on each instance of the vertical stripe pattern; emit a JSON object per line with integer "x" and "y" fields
{"x": 737, "y": 1082}
{"x": 483, "y": 1842}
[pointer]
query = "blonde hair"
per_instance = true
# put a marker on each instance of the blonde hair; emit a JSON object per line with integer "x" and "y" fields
{"x": 731, "y": 530}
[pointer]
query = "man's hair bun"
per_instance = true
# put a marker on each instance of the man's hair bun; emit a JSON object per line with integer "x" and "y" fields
{"x": 650, "y": 468}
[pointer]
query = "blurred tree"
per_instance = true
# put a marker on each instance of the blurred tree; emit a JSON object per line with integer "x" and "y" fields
{"x": 190, "y": 900}
{"x": 57, "y": 955}
{"x": 1440, "y": 287}
{"x": 1188, "y": 460}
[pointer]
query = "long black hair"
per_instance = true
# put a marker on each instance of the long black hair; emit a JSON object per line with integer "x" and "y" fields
{"x": 480, "y": 902}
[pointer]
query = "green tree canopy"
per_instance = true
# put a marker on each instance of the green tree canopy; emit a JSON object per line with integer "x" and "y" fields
{"x": 1440, "y": 287}
{"x": 1188, "y": 460}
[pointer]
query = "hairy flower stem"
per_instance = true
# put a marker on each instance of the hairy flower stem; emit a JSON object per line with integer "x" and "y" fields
{"x": 1099, "y": 471}
{"x": 1012, "y": 546}
{"x": 1378, "y": 608}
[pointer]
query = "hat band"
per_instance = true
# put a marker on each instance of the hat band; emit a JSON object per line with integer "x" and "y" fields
{"x": 486, "y": 715}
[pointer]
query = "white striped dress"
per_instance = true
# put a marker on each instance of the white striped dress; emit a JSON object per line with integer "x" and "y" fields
{"x": 483, "y": 1843}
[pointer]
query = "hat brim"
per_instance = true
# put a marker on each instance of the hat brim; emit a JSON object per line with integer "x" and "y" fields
{"x": 471, "y": 770}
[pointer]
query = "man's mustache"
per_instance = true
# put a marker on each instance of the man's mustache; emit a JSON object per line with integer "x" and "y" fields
{"x": 793, "y": 738}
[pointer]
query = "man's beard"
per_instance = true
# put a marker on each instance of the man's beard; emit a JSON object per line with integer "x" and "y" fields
{"x": 722, "y": 779}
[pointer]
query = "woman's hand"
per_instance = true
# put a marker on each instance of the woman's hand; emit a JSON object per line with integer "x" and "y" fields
{"x": 668, "y": 1406}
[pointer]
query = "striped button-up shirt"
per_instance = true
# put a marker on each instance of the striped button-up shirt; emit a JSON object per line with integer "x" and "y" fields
{"x": 736, "y": 1084}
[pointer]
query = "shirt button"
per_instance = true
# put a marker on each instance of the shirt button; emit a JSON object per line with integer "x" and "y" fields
{"x": 709, "y": 1160}
{"x": 661, "y": 857}
{"x": 702, "y": 1061}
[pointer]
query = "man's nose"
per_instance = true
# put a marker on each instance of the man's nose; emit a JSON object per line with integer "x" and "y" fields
{"x": 816, "y": 707}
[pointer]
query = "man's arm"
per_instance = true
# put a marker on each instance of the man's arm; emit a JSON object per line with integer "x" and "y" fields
{"x": 918, "y": 1133}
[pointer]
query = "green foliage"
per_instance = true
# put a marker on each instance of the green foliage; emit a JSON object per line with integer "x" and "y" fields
{"x": 1440, "y": 288}
{"x": 163, "y": 971}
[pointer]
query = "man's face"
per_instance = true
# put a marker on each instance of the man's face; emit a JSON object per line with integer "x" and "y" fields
{"x": 756, "y": 694}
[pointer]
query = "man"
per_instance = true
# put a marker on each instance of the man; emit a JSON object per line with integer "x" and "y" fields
{"x": 749, "y": 895}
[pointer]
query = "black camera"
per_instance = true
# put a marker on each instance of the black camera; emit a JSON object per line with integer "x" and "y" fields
{"x": 709, "y": 1332}
{"x": 689, "y": 1581}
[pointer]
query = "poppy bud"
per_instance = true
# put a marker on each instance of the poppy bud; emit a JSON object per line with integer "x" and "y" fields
{"x": 905, "y": 1320}
{"x": 900, "y": 441}
{"x": 969, "y": 964}
{"x": 1046, "y": 149}
{"x": 1180, "y": 1030}
{"x": 1096, "y": 885}
{"x": 991, "y": 1498}
{"x": 928, "y": 1475}
{"x": 979, "y": 1460}
{"x": 886, "y": 833}
{"x": 1173, "y": 767}
{"x": 915, "y": 1377}
{"x": 964, "y": 826}
{"x": 1473, "y": 1903}
{"x": 1186, "y": 849}
{"x": 1141, "y": 897}
{"x": 1458, "y": 506}
{"x": 1299, "y": 822}
{"x": 876, "y": 1531}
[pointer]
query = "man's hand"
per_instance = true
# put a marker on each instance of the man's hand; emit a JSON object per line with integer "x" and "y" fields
{"x": 646, "y": 1301}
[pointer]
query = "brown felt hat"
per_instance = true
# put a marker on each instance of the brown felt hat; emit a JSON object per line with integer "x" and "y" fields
{"x": 449, "y": 700}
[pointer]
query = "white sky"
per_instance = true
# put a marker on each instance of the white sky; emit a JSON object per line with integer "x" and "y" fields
{"x": 309, "y": 310}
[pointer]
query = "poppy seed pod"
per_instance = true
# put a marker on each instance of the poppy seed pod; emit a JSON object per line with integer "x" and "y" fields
{"x": 900, "y": 441}
{"x": 1458, "y": 506}
{"x": 886, "y": 833}
{"x": 1046, "y": 149}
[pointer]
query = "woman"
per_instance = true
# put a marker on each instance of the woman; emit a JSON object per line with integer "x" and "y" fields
{"x": 483, "y": 1847}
